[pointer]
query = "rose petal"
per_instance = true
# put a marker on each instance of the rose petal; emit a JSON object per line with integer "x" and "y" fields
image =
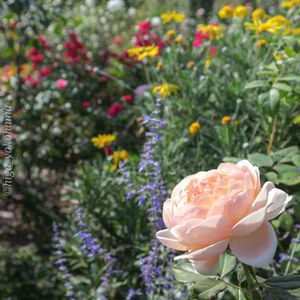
{"x": 250, "y": 223}
{"x": 277, "y": 200}
{"x": 209, "y": 231}
{"x": 241, "y": 205}
{"x": 207, "y": 252}
{"x": 246, "y": 166}
{"x": 221, "y": 208}
{"x": 208, "y": 266}
{"x": 256, "y": 249}
{"x": 261, "y": 199}
{"x": 169, "y": 240}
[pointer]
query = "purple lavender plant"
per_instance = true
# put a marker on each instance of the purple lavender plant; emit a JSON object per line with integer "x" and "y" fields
{"x": 91, "y": 248}
{"x": 154, "y": 190}
{"x": 61, "y": 263}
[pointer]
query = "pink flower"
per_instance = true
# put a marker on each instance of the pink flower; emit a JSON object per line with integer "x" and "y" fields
{"x": 115, "y": 109}
{"x": 209, "y": 211}
{"x": 61, "y": 84}
{"x": 86, "y": 104}
{"x": 108, "y": 151}
{"x": 127, "y": 98}
{"x": 144, "y": 27}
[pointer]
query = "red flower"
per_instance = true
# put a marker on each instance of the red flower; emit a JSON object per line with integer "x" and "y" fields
{"x": 115, "y": 109}
{"x": 35, "y": 56}
{"x": 199, "y": 38}
{"x": 103, "y": 78}
{"x": 44, "y": 72}
{"x": 107, "y": 151}
{"x": 144, "y": 27}
{"x": 86, "y": 104}
{"x": 213, "y": 52}
{"x": 75, "y": 50}
{"x": 127, "y": 98}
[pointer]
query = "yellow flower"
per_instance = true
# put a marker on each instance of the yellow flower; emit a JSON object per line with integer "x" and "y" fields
{"x": 225, "y": 120}
{"x": 226, "y": 12}
{"x": 290, "y": 3}
{"x": 214, "y": 31}
{"x": 103, "y": 140}
{"x": 172, "y": 16}
{"x": 241, "y": 11}
{"x": 166, "y": 89}
{"x": 275, "y": 25}
{"x": 159, "y": 65}
{"x": 259, "y": 14}
{"x": 170, "y": 33}
{"x": 190, "y": 64}
{"x": 194, "y": 128}
{"x": 261, "y": 43}
{"x": 117, "y": 157}
{"x": 278, "y": 56}
{"x": 143, "y": 52}
{"x": 178, "y": 39}
{"x": 207, "y": 63}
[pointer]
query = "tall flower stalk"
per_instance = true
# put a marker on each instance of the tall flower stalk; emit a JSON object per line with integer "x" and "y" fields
{"x": 61, "y": 263}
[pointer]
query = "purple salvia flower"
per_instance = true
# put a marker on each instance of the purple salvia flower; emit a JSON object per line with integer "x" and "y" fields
{"x": 132, "y": 293}
{"x": 61, "y": 263}
{"x": 90, "y": 246}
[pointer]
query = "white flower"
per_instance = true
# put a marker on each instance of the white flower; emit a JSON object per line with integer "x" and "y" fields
{"x": 156, "y": 21}
{"x": 115, "y": 5}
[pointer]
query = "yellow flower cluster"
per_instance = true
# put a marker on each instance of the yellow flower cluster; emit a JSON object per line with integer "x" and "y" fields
{"x": 214, "y": 30}
{"x": 228, "y": 12}
{"x": 103, "y": 140}
{"x": 291, "y": 4}
{"x": 194, "y": 128}
{"x": 172, "y": 16}
{"x": 275, "y": 25}
{"x": 166, "y": 89}
{"x": 143, "y": 52}
{"x": 117, "y": 157}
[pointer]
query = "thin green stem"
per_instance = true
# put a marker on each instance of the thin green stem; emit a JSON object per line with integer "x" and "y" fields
{"x": 250, "y": 281}
{"x": 292, "y": 255}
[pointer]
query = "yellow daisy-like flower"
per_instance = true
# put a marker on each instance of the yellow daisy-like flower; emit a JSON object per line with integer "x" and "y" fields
{"x": 225, "y": 120}
{"x": 143, "y": 52}
{"x": 241, "y": 11}
{"x": 103, "y": 140}
{"x": 290, "y": 3}
{"x": 275, "y": 25}
{"x": 207, "y": 63}
{"x": 166, "y": 89}
{"x": 226, "y": 12}
{"x": 159, "y": 65}
{"x": 170, "y": 33}
{"x": 261, "y": 43}
{"x": 194, "y": 128}
{"x": 172, "y": 16}
{"x": 214, "y": 31}
{"x": 119, "y": 156}
{"x": 259, "y": 14}
{"x": 178, "y": 39}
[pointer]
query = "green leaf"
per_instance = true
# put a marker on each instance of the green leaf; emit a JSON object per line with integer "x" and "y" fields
{"x": 274, "y": 97}
{"x": 239, "y": 294}
{"x": 272, "y": 176}
{"x": 289, "y": 78}
{"x": 296, "y": 160}
{"x": 287, "y": 282}
{"x": 277, "y": 294}
{"x": 211, "y": 289}
{"x": 231, "y": 159}
{"x": 227, "y": 264}
{"x": 184, "y": 271}
{"x": 255, "y": 84}
{"x": 295, "y": 292}
{"x": 286, "y": 152}
{"x": 296, "y": 120}
{"x": 282, "y": 87}
{"x": 260, "y": 160}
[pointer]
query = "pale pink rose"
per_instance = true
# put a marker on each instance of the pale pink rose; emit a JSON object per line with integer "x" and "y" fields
{"x": 61, "y": 84}
{"x": 210, "y": 211}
